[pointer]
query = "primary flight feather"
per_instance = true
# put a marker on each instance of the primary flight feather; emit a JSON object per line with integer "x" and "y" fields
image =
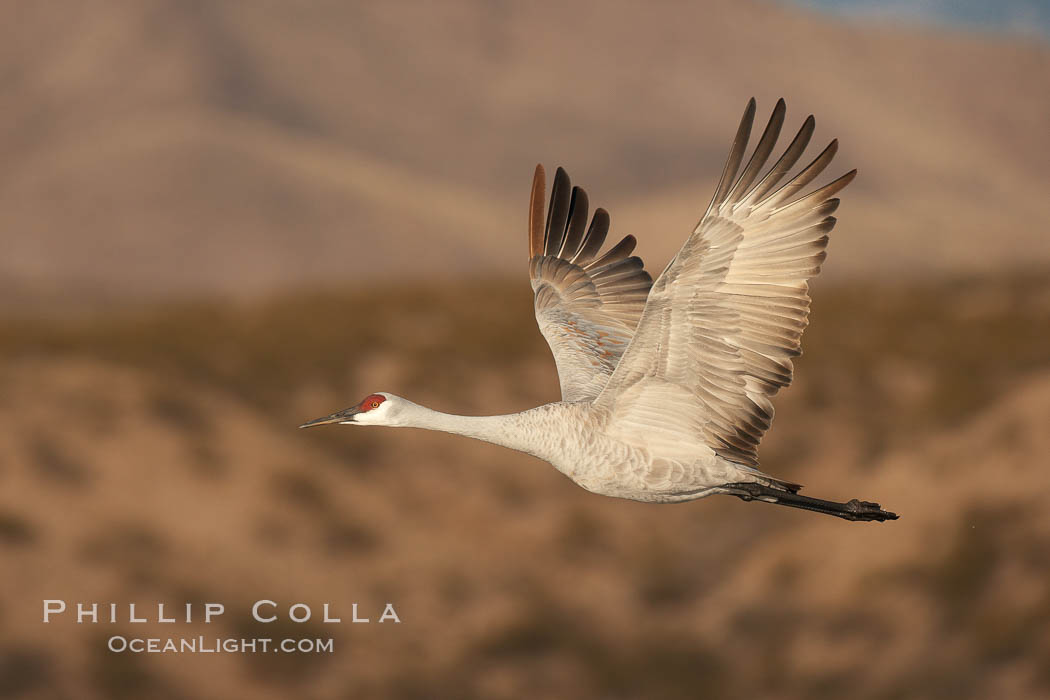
{"x": 667, "y": 386}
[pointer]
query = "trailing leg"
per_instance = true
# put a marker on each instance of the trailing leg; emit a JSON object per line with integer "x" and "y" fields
{"x": 851, "y": 510}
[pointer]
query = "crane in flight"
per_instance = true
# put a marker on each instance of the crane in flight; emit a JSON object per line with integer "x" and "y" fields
{"x": 666, "y": 386}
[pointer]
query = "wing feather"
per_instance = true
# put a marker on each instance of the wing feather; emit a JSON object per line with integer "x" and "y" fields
{"x": 594, "y": 239}
{"x": 577, "y": 224}
{"x": 536, "y": 230}
{"x": 557, "y": 213}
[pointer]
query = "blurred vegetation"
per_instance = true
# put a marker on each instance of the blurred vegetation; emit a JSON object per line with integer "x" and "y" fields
{"x": 896, "y": 362}
{"x": 261, "y": 352}
{"x": 958, "y": 343}
{"x": 926, "y": 354}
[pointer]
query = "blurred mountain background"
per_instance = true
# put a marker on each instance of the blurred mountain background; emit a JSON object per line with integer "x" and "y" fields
{"x": 222, "y": 219}
{"x": 182, "y": 148}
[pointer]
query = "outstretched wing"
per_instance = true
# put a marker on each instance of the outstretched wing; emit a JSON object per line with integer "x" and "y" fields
{"x": 587, "y": 305}
{"x": 723, "y": 321}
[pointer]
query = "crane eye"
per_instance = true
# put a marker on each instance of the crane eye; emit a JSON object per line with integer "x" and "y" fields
{"x": 375, "y": 404}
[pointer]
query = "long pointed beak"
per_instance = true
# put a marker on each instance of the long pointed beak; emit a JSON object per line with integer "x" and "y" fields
{"x": 346, "y": 416}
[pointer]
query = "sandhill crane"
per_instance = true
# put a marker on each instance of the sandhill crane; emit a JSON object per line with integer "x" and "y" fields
{"x": 666, "y": 386}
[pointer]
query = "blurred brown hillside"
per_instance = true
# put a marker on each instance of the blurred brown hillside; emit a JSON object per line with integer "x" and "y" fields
{"x": 164, "y": 147}
{"x": 153, "y": 456}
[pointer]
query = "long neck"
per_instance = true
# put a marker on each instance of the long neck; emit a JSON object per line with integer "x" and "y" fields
{"x": 518, "y": 431}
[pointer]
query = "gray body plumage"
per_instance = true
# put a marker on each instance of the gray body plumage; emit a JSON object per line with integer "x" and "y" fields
{"x": 575, "y": 437}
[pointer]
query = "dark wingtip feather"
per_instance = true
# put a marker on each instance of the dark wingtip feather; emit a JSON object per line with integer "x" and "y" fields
{"x": 761, "y": 153}
{"x": 618, "y": 252}
{"x": 595, "y": 237}
{"x": 536, "y": 225}
{"x": 578, "y": 207}
{"x": 736, "y": 155}
{"x": 557, "y": 212}
{"x": 628, "y": 244}
{"x": 786, "y": 161}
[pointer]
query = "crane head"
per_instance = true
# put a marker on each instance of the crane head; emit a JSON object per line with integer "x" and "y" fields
{"x": 372, "y": 410}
